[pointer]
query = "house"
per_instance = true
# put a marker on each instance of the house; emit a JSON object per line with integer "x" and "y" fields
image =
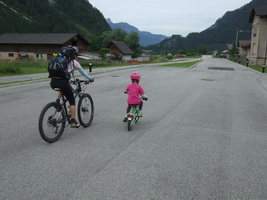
{"x": 120, "y": 50}
{"x": 37, "y": 46}
{"x": 258, "y": 52}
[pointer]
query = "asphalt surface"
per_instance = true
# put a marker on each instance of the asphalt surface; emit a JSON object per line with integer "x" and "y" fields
{"x": 202, "y": 136}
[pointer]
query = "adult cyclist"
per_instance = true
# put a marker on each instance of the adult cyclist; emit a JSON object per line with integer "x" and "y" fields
{"x": 64, "y": 85}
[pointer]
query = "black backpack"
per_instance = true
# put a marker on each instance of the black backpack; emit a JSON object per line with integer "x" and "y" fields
{"x": 58, "y": 66}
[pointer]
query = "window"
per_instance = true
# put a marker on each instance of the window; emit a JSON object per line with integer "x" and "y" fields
{"x": 39, "y": 56}
{"x": 10, "y": 54}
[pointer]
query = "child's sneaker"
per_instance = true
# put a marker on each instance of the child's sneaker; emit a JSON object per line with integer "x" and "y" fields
{"x": 74, "y": 124}
{"x": 125, "y": 118}
{"x": 140, "y": 113}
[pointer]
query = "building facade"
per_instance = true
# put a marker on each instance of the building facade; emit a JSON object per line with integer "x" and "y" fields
{"x": 258, "y": 51}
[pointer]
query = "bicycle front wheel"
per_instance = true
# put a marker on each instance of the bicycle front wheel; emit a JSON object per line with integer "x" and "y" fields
{"x": 52, "y": 122}
{"x": 85, "y": 110}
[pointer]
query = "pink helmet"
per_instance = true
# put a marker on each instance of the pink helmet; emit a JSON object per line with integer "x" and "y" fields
{"x": 135, "y": 75}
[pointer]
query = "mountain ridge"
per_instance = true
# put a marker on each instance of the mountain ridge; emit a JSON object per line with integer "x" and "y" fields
{"x": 146, "y": 38}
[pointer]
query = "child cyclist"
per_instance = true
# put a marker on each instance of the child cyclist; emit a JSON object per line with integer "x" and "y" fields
{"x": 135, "y": 94}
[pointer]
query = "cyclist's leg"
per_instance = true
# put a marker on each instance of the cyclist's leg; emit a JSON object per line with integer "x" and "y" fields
{"x": 59, "y": 95}
{"x": 140, "y": 107}
{"x": 56, "y": 83}
{"x": 128, "y": 108}
{"x": 70, "y": 97}
{"x": 127, "y": 111}
{"x": 67, "y": 92}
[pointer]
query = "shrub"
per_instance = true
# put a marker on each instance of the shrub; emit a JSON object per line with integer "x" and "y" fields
{"x": 9, "y": 68}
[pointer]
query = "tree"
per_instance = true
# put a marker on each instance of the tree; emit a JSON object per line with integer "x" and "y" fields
{"x": 202, "y": 50}
{"x": 131, "y": 40}
{"x": 114, "y": 35}
{"x": 103, "y": 53}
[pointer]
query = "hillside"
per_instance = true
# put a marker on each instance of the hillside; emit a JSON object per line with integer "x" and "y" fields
{"x": 146, "y": 38}
{"x": 51, "y": 16}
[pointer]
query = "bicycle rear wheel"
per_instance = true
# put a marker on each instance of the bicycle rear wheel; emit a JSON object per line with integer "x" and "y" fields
{"x": 52, "y": 122}
{"x": 130, "y": 124}
{"x": 85, "y": 110}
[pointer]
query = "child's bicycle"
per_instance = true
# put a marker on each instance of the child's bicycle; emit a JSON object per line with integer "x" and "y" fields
{"x": 54, "y": 116}
{"x": 132, "y": 116}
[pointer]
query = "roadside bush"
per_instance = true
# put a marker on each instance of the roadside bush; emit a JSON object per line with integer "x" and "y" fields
{"x": 9, "y": 68}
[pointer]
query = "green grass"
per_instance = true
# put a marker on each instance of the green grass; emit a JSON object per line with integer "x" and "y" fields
{"x": 14, "y": 68}
{"x": 183, "y": 64}
{"x": 257, "y": 68}
{"x": 8, "y": 68}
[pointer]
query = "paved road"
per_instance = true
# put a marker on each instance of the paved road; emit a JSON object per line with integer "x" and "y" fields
{"x": 203, "y": 136}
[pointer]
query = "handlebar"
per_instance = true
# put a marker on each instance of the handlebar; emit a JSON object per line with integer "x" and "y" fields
{"x": 81, "y": 81}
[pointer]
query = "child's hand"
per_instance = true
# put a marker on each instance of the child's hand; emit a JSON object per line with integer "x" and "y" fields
{"x": 145, "y": 98}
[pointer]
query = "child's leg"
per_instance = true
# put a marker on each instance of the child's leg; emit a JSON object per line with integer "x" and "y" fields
{"x": 140, "y": 107}
{"x": 128, "y": 109}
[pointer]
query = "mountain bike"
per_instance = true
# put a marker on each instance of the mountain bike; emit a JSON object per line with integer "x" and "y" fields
{"x": 55, "y": 116}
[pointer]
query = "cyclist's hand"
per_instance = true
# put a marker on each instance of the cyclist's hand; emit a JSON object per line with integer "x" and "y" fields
{"x": 90, "y": 80}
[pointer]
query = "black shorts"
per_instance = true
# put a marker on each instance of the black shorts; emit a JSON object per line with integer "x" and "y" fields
{"x": 65, "y": 88}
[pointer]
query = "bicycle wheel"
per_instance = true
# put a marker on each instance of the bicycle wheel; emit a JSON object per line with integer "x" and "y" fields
{"x": 130, "y": 124}
{"x": 52, "y": 122}
{"x": 85, "y": 110}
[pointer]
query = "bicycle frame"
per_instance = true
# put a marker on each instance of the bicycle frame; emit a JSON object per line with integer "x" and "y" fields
{"x": 132, "y": 116}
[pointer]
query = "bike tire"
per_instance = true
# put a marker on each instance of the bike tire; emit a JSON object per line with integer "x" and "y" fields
{"x": 52, "y": 121}
{"x": 85, "y": 110}
{"x": 129, "y": 125}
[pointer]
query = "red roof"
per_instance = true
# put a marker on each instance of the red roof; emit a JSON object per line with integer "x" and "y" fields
{"x": 244, "y": 43}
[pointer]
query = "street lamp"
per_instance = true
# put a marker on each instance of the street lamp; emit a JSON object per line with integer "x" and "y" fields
{"x": 236, "y": 37}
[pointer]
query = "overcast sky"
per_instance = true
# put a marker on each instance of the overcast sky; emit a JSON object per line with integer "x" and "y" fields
{"x": 167, "y": 17}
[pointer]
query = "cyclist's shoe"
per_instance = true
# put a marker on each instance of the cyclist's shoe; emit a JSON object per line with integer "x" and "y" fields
{"x": 74, "y": 124}
{"x": 125, "y": 118}
{"x": 140, "y": 113}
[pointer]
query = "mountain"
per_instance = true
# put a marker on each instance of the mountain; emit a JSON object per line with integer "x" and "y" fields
{"x": 51, "y": 16}
{"x": 216, "y": 36}
{"x": 146, "y": 38}
{"x": 79, "y": 16}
